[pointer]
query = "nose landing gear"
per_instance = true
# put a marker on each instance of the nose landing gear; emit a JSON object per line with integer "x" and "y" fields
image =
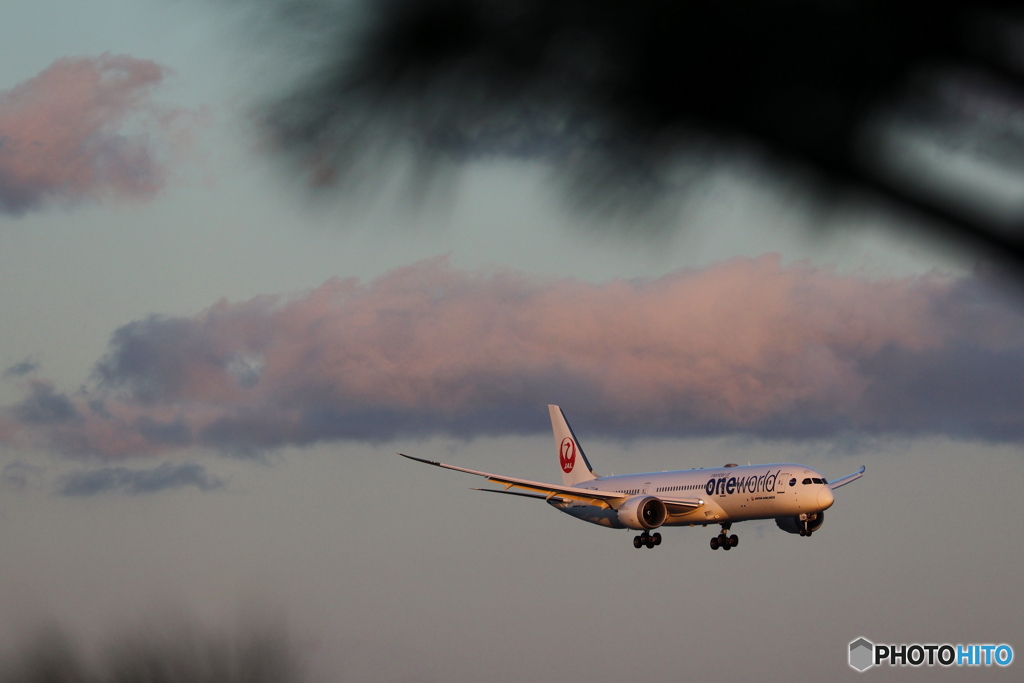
{"x": 723, "y": 540}
{"x": 647, "y": 539}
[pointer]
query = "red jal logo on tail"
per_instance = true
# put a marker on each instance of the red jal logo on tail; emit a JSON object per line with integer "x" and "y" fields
{"x": 567, "y": 454}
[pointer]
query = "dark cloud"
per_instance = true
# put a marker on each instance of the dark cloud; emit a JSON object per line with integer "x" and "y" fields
{"x": 21, "y": 369}
{"x": 977, "y": 394}
{"x": 749, "y": 346}
{"x": 132, "y": 481}
{"x": 632, "y": 103}
{"x": 46, "y": 406}
{"x": 157, "y": 355}
{"x": 173, "y": 433}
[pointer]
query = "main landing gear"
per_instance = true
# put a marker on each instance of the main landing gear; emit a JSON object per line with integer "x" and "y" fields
{"x": 724, "y": 541}
{"x": 646, "y": 539}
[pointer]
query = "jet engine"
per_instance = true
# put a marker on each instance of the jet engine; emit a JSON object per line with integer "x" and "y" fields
{"x": 796, "y": 525}
{"x": 642, "y": 512}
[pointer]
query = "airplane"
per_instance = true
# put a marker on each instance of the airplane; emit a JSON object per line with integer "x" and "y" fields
{"x": 796, "y": 496}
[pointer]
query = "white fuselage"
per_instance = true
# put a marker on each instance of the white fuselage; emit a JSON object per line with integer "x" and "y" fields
{"x": 730, "y": 494}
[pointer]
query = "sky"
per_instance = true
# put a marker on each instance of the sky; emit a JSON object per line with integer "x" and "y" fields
{"x": 207, "y": 370}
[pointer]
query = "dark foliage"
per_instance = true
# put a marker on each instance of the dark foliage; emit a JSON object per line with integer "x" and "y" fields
{"x": 614, "y": 93}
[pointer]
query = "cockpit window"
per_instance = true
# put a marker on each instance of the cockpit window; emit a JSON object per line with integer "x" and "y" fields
{"x": 807, "y": 480}
{"x": 816, "y": 480}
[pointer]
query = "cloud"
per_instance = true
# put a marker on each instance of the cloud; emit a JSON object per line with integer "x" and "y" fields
{"x": 85, "y": 128}
{"x": 21, "y": 369}
{"x": 748, "y": 346}
{"x": 45, "y": 406}
{"x": 125, "y": 480}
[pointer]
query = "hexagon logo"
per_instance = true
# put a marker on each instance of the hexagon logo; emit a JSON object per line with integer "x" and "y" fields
{"x": 862, "y": 654}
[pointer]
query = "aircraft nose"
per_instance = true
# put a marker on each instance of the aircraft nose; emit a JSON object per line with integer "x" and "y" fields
{"x": 825, "y": 497}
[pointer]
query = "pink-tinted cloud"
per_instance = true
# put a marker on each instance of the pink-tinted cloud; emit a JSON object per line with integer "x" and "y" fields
{"x": 749, "y": 346}
{"x": 85, "y": 128}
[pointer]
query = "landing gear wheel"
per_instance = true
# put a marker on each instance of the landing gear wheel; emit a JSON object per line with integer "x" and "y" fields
{"x": 637, "y": 542}
{"x": 803, "y": 533}
{"x": 714, "y": 543}
{"x": 650, "y": 542}
{"x": 657, "y": 538}
{"x": 809, "y": 534}
{"x": 734, "y": 540}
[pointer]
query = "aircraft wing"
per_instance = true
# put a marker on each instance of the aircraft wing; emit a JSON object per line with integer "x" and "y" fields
{"x": 843, "y": 481}
{"x": 547, "y": 491}
{"x": 675, "y": 507}
{"x": 516, "y": 493}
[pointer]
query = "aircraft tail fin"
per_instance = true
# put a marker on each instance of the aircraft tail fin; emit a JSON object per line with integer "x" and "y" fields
{"x": 571, "y": 459}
